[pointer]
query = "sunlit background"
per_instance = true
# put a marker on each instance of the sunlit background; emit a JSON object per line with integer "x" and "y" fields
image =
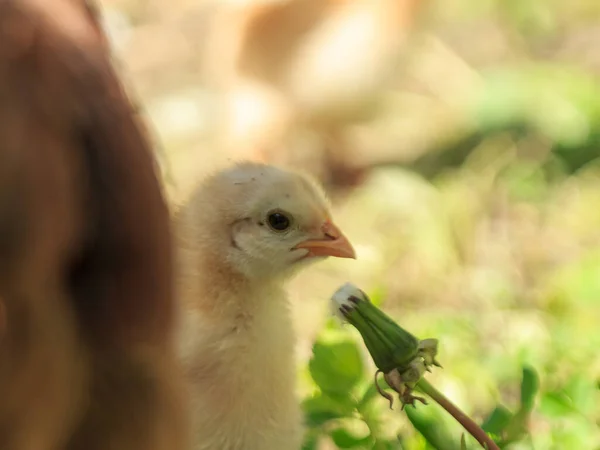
{"x": 460, "y": 143}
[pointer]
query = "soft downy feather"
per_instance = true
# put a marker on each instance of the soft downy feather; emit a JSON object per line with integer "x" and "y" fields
{"x": 237, "y": 341}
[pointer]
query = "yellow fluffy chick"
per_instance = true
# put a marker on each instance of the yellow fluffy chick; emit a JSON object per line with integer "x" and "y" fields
{"x": 241, "y": 235}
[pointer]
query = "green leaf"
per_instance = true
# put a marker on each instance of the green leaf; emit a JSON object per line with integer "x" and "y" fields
{"x": 311, "y": 440}
{"x": 344, "y": 439}
{"x": 321, "y": 408}
{"x": 529, "y": 388}
{"x": 497, "y": 421}
{"x": 519, "y": 423}
{"x": 428, "y": 422}
{"x": 582, "y": 393}
{"x": 384, "y": 444}
{"x": 336, "y": 366}
{"x": 557, "y": 405}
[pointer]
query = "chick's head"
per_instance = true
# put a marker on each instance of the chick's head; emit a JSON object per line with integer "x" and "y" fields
{"x": 271, "y": 221}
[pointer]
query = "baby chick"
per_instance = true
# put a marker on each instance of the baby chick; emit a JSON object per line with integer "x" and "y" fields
{"x": 243, "y": 233}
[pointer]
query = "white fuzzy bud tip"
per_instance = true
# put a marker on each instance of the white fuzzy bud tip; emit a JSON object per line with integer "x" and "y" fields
{"x": 344, "y": 299}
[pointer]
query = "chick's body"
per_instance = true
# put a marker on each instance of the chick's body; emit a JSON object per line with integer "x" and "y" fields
{"x": 240, "y": 236}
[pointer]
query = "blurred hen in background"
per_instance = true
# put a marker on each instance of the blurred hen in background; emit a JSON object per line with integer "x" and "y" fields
{"x": 297, "y": 74}
{"x": 285, "y": 80}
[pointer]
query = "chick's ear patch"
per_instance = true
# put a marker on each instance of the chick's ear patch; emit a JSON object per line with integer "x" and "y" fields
{"x": 238, "y": 229}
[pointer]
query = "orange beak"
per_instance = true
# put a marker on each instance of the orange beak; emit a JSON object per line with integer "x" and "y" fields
{"x": 334, "y": 243}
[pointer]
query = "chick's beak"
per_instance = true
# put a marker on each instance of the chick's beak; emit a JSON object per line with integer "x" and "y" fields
{"x": 333, "y": 243}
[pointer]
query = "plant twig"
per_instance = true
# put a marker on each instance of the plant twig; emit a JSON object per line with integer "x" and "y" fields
{"x": 468, "y": 423}
{"x": 401, "y": 357}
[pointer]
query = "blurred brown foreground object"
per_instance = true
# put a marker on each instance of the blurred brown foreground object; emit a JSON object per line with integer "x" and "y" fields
{"x": 85, "y": 255}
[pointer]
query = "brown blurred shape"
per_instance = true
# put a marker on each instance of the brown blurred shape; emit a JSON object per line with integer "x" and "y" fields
{"x": 86, "y": 359}
{"x": 312, "y": 65}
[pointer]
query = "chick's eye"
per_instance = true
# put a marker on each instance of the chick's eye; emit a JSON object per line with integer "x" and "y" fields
{"x": 279, "y": 221}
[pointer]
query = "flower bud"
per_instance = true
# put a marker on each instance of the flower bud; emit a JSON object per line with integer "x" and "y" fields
{"x": 401, "y": 357}
{"x": 390, "y": 346}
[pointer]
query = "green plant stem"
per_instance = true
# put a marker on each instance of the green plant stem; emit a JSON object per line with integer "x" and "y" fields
{"x": 468, "y": 423}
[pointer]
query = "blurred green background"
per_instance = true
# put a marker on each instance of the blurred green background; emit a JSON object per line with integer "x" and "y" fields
{"x": 460, "y": 143}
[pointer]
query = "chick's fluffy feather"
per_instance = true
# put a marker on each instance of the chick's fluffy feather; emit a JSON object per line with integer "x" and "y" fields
{"x": 237, "y": 342}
